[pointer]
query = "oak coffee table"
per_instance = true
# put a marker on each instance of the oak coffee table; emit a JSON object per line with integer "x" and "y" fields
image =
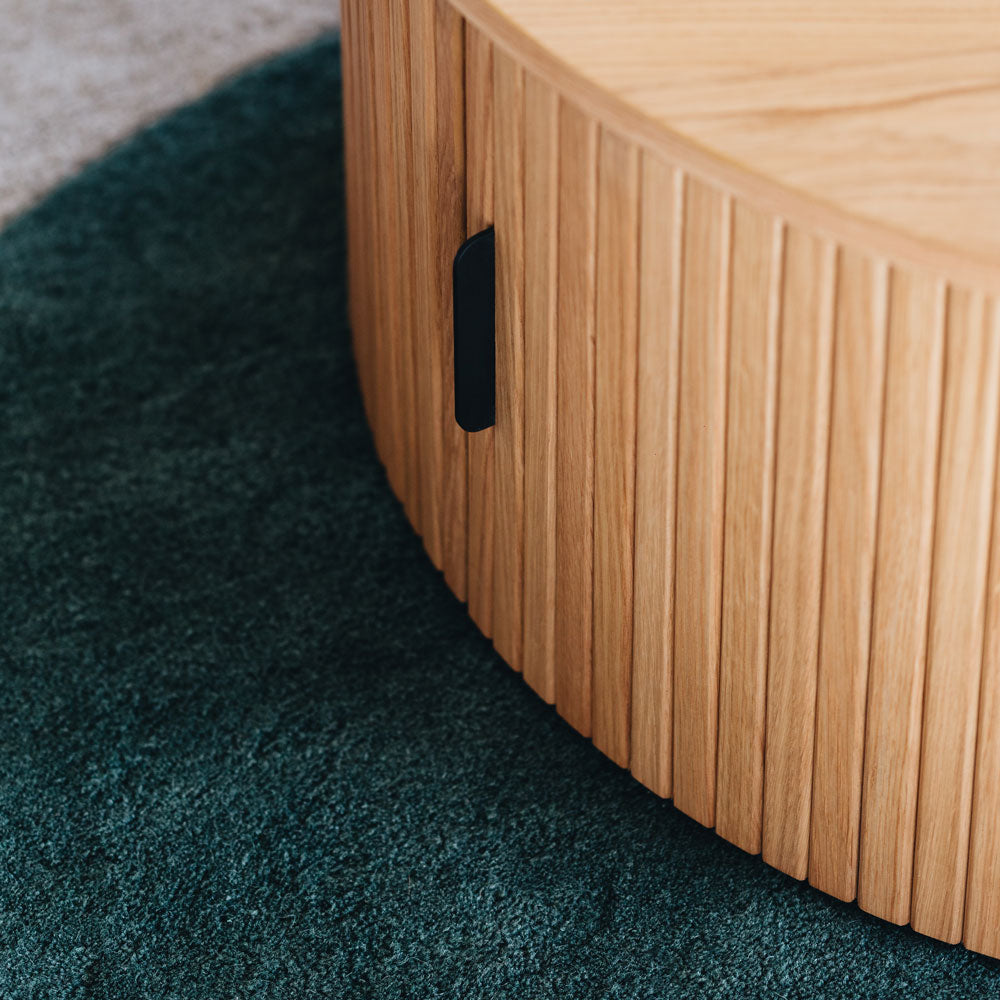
{"x": 727, "y": 344}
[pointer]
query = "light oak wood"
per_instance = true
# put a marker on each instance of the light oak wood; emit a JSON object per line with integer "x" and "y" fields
{"x": 804, "y": 383}
{"x": 449, "y": 193}
{"x": 616, "y": 359}
{"x": 963, "y": 523}
{"x": 875, "y": 123}
{"x": 700, "y": 496}
{"x": 541, "y": 222}
{"x": 385, "y": 307}
{"x": 662, "y": 199}
{"x": 982, "y": 900}
{"x": 479, "y": 215}
{"x": 902, "y": 590}
{"x": 436, "y": 32}
{"x": 429, "y": 326}
{"x": 737, "y": 515}
{"x": 848, "y": 571}
{"x": 575, "y": 415}
{"x": 399, "y": 240}
{"x": 758, "y": 241}
{"x": 508, "y": 436}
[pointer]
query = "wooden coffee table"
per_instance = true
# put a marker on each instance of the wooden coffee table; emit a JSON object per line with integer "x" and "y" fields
{"x": 736, "y": 515}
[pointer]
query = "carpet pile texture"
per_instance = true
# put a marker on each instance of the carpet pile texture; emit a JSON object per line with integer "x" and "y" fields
{"x": 250, "y": 745}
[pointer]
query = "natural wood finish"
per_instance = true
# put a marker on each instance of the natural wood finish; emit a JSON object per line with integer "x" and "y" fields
{"x": 354, "y": 130}
{"x": 700, "y": 497}
{"x": 902, "y": 588}
{"x": 479, "y": 215}
{"x": 957, "y": 613}
{"x": 449, "y": 153}
{"x": 386, "y": 310}
{"x": 982, "y": 900}
{"x": 400, "y": 248}
{"x": 575, "y": 415}
{"x": 358, "y": 31}
{"x": 437, "y": 33}
{"x": 874, "y": 123}
{"x": 429, "y": 327}
{"x": 758, "y": 239}
{"x": 804, "y": 383}
{"x": 508, "y": 438}
{"x": 848, "y": 571}
{"x": 737, "y": 517}
{"x": 662, "y": 200}
{"x": 616, "y": 359}
{"x": 541, "y": 221}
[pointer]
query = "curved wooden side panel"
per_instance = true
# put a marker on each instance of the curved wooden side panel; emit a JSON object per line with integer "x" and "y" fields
{"x": 736, "y": 516}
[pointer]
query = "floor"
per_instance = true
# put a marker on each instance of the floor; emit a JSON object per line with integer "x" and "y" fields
{"x": 77, "y": 78}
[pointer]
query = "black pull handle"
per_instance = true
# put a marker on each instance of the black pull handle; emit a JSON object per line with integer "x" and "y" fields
{"x": 474, "y": 292}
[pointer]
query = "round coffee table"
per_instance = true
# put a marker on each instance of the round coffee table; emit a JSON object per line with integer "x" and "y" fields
{"x": 733, "y": 508}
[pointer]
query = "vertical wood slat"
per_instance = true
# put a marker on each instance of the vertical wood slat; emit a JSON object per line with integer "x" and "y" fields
{"x": 508, "y": 438}
{"x": 848, "y": 572}
{"x": 357, "y": 133}
{"x": 353, "y": 113}
{"x": 400, "y": 164}
{"x": 428, "y": 321}
{"x": 804, "y": 381}
{"x": 370, "y": 308}
{"x": 385, "y": 293}
{"x": 575, "y": 415}
{"x": 752, "y": 392}
{"x": 449, "y": 203}
{"x": 616, "y": 369}
{"x": 982, "y": 896}
{"x": 700, "y": 497}
{"x": 902, "y": 589}
{"x": 656, "y": 474}
{"x": 479, "y": 215}
{"x": 963, "y": 523}
{"x": 541, "y": 175}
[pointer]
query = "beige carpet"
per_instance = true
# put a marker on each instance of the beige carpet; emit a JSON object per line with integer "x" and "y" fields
{"x": 77, "y": 76}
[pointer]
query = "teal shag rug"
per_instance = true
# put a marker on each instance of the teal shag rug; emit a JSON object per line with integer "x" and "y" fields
{"x": 251, "y": 746}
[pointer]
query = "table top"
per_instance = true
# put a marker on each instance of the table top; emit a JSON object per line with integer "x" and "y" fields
{"x": 880, "y": 118}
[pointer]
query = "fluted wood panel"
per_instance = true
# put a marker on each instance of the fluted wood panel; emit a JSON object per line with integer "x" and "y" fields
{"x": 797, "y": 546}
{"x": 737, "y": 514}
{"x": 508, "y": 438}
{"x": 541, "y": 222}
{"x": 656, "y": 474}
{"x": 848, "y": 571}
{"x": 394, "y": 74}
{"x": 758, "y": 240}
{"x": 700, "y": 486}
{"x": 575, "y": 287}
{"x": 438, "y": 131}
{"x": 982, "y": 897}
{"x": 616, "y": 363}
{"x": 479, "y": 215}
{"x": 958, "y": 604}
{"x": 902, "y": 589}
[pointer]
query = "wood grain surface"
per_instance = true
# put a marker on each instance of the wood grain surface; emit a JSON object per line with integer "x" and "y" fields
{"x": 758, "y": 242}
{"x": 578, "y": 145}
{"x": 479, "y": 215}
{"x": 616, "y": 360}
{"x": 875, "y": 122}
{"x": 656, "y": 474}
{"x": 700, "y": 496}
{"x": 737, "y": 516}
{"x": 541, "y": 222}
